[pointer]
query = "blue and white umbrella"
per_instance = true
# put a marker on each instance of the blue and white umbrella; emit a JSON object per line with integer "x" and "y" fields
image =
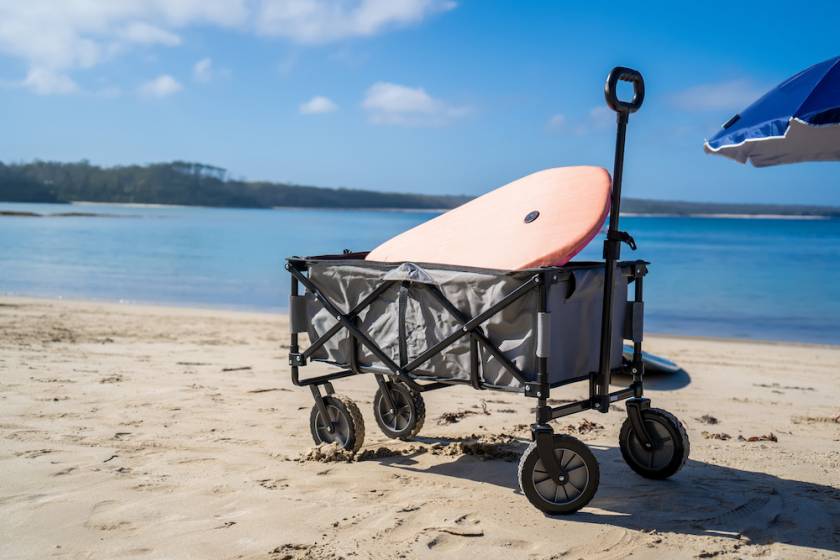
{"x": 797, "y": 121}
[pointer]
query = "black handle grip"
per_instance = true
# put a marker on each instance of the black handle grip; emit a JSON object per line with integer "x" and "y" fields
{"x": 620, "y": 73}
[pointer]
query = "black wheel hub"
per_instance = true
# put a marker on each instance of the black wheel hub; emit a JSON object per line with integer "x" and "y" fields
{"x": 570, "y": 481}
{"x": 656, "y": 454}
{"x": 335, "y": 429}
{"x": 398, "y": 418}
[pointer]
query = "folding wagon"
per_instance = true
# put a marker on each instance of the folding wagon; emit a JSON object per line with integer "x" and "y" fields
{"x": 420, "y": 326}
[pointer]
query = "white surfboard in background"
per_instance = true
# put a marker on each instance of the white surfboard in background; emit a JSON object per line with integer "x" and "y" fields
{"x": 653, "y": 363}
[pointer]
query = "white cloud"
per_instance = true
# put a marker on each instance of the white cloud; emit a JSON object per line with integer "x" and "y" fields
{"x": 598, "y": 117}
{"x": 55, "y": 38}
{"x": 720, "y": 96}
{"x": 146, "y": 34}
{"x": 322, "y": 21}
{"x": 389, "y": 103}
{"x": 203, "y": 70}
{"x": 46, "y": 82}
{"x": 557, "y": 121}
{"x": 318, "y": 105}
{"x": 162, "y": 86}
{"x": 601, "y": 116}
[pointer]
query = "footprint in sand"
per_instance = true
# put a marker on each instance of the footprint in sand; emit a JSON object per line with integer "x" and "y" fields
{"x": 153, "y": 487}
{"x": 34, "y": 453}
{"x": 612, "y": 544}
{"x": 273, "y": 484}
{"x": 101, "y": 519}
{"x": 193, "y": 460}
{"x": 109, "y": 526}
{"x": 451, "y": 536}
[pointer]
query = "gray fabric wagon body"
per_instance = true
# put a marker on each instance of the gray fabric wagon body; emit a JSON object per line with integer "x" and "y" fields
{"x": 571, "y": 339}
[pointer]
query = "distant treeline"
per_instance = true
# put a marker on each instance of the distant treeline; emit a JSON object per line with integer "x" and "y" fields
{"x": 679, "y": 208}
{"x": 196, "y": 184}
{"x": 185, "y": 183}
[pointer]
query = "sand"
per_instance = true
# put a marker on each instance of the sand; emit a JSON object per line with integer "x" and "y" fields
{"x": 151, "y": 432}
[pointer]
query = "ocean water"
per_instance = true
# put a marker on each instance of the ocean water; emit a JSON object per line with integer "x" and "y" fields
{"x": 775, "y": 279}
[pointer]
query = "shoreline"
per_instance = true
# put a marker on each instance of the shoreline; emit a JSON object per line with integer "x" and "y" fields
{"x": 140, "y": 205}
{"x": 341, "y": 208}
{"x": 7, "y": 299}
{"x": 727, "y": 216}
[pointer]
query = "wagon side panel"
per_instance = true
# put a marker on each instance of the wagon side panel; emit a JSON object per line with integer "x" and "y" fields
{"x": 576, "y": 325}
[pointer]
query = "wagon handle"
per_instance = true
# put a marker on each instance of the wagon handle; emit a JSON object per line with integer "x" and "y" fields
{"x": 622, "y": 74}
{"x": 612, "y": 244}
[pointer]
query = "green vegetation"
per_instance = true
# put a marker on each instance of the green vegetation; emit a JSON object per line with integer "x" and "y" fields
{"x": 18, "y": 187}
{"x": 679, "y": 208}
{"x": 195, "y": 184}
{"x": 184, "y": 183}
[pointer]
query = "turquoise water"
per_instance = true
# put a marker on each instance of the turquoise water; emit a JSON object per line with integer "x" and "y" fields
{"x": 752, "y": 278}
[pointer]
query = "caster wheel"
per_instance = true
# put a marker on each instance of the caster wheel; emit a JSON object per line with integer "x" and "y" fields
{"x": 579, "y": 469}
{"x": 406, "y": 420}
{"x": 670, "y": 450}
{"x": 348, "y": 426}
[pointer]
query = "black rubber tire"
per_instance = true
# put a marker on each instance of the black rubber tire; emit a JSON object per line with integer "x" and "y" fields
{"x": 672, "y": 455}
{"x": 406, "y": 425}
{"x": 536, "y": 486}
{"x": 350, "y": 434}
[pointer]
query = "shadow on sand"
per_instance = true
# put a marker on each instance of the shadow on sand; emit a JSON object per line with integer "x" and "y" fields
{"x": 703, "y": 499}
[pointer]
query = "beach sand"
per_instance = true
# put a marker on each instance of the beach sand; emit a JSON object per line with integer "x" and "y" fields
{"x": 151, "y": 432}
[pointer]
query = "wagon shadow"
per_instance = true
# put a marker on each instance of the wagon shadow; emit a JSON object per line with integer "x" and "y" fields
{"x": 702, "y": 500}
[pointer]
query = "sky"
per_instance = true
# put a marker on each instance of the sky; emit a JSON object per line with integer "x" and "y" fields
{"x": 433, "y": 96}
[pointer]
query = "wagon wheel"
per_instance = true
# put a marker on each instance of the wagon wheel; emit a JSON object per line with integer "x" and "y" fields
{"x": 669, "y": 451}
{"x": 406, "y": 419}
{"x": 579, "y": 476}
{"x": 347, "y": 423}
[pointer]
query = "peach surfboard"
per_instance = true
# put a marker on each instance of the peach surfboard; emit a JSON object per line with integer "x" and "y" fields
{"x": 543, "y": 219}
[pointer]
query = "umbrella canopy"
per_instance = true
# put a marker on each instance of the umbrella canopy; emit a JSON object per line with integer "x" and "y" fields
{"x": 797, "y": 121}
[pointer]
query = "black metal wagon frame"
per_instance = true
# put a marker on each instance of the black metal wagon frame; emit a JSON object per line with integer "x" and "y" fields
{"x": 641, "y": 423}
